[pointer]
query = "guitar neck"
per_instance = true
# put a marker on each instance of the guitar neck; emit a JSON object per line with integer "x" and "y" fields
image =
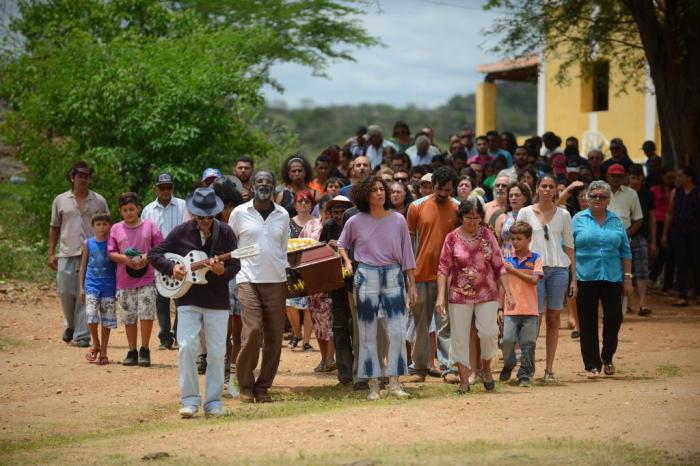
{"x": 205, "y": 263}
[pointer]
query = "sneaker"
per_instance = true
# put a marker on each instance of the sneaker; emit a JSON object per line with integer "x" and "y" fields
{"x": 592, "y": 374}
{"x": 187, "y": 412}
{"x": 575, "y": 335}
{"x": 293, "y": 342}
{"x": 216, "y": 412}
{"x": 505, "y": 374}
{"x": 609, "y": 369}
{"x": 132, "y": 358}
{"x": 166, "y": 345}
{"x": 307, "y": 347}
{"x": 395, "y": 389}
{"x": 549, "y": 377}
{"x": 202, "y": 363}
{"x": 373, "y": 394}
{"x": 67, "y": 335}
{"x": 524, "y": 382}
{"x": 144, "y": 357}
{"x": 82, "y": 343}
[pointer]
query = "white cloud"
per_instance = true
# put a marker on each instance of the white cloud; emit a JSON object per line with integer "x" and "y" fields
{"x": 432, "y": 50}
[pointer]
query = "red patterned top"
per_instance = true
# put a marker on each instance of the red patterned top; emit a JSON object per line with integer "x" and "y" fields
{"x": 474, "y": 266}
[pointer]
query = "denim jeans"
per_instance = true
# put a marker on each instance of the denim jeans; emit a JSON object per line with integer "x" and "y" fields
{"x": 380, "y": 288}
{"x": 521, "y": 330}
{"x": 163, "y": 314}
{"x": 69, "y": 290}
{"x": 215, "y": 324}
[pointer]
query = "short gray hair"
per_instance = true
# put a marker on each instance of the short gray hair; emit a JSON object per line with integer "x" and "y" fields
{"x": 599, "y": 185}
{"x": 422, "y": 139}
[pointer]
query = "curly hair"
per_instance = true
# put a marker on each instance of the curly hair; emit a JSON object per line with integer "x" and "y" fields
{"x": 361, "y": 190}
{"x": 296, "y": 158}
{"x": 524, "y": 189}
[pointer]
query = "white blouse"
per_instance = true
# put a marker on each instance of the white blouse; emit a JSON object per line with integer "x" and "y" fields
{"x": 560, "y": 234}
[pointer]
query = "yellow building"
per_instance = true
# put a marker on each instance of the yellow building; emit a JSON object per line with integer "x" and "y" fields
{"x": 593, "y": 110}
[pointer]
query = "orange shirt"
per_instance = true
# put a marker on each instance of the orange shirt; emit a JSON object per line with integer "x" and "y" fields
{"x": 524, "y": 293}
{"x": 429, "y": 222}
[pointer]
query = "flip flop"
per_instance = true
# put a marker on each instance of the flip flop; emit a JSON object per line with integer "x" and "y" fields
{"x": 91, "y": 355}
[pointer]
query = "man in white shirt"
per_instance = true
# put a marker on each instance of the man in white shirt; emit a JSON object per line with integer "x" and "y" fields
{"x": 262, "y": 287}
{"x": 625, "y": 201}
{"x": 421, "y": 153}
{"x": 167, "y": 212}
{"x": 377, "y": 143}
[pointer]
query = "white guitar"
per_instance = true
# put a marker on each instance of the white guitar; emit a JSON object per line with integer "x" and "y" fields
{"x": 196, "y": 264}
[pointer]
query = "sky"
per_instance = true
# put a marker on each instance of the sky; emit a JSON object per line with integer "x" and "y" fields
{"x": 432, "y": 50}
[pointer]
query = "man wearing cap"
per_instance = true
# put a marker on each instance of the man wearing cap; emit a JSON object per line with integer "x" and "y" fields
{"x": 204, "y": 306}
{"x": 425, "y": 185}
{"x": 624, "y": 202}
{"x": 71, "y": 214}
{"x": 167, "y": 212}
{"x": 377, "y": 143}
{"x": 209, "y": 175}
{"x": 262, "y": 287}
{"x": 429, "y": 220}
{"x": 342, "y": 315}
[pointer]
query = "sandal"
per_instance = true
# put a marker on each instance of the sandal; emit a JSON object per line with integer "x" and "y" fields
{"x": 91, "y": 355}
{"x": 103, "y": 361}
{"x": 644, "y": 311}
{"x": 463, "y": 389}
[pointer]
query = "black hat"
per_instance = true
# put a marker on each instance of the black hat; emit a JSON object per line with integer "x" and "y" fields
{"x": 164, "y": 178}
{"x": 204, "y": 202}
{"x": 79, "y": 167}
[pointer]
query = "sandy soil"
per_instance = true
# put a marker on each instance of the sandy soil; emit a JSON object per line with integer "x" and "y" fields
{"x": 47, "y": 389}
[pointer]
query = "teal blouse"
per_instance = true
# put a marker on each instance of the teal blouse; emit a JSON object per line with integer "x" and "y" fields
{"x": 600, "y": 248}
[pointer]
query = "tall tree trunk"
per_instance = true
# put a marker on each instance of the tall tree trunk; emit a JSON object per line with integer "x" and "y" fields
{"x": 671, "y": 41}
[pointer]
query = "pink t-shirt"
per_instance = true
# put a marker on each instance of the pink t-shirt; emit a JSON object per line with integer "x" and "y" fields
{"x": 474, "y": 267}
{"x": 143, "y": 238}
{"x": 661, "y": 198}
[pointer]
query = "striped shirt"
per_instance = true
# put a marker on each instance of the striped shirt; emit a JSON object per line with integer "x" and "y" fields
{"x": 166, "y": 218}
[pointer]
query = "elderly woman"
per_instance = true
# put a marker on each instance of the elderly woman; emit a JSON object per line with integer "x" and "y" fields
{"x": 471, "y": 257}
{"x": 381, "y": 245}
{"x": 602, "y": 254}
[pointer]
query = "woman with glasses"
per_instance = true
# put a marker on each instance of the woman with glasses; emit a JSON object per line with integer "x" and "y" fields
{"x": 553, "y": 240}
{"x": 303, "y": 204}
{"x": 472, "y": 260}
{"x": 603, "y": 272}
{"x": 382, "y": 248}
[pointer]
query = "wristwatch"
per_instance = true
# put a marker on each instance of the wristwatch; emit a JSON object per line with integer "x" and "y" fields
{"x": 629, "y": 275}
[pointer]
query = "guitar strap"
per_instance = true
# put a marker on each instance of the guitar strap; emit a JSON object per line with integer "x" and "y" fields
{"x": 214, "y": 238}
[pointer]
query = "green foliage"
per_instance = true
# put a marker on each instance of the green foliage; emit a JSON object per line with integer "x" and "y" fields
{"x": 320, "y": 126}
{"x": 138, "y": 86}
{"x": 575, "y": 31}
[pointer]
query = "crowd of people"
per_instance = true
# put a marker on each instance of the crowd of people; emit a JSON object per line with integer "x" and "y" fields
{"x": 451, "y": 257}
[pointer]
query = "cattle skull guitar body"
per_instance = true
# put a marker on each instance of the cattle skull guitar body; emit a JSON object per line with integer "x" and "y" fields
{"x": 196, "y": 264}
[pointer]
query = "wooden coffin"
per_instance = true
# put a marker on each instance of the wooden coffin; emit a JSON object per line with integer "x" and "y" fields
{"x": 314, "y": 269}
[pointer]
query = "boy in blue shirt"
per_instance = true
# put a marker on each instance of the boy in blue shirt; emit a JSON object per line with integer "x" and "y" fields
{"x": 98, "y": 287}
{"x": 521, "y": 322}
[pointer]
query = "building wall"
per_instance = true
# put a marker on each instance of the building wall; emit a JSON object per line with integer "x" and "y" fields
{"x": 625, "y": 118}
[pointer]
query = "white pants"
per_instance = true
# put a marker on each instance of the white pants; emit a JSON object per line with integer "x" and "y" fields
{"x": 486, "y": 326}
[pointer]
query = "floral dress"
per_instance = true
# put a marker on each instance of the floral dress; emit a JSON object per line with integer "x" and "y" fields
{"x": 506, "y": 245}
{"x": 320, "y": 303}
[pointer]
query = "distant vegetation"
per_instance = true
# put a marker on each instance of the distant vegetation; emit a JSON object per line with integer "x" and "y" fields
{"x": 516, "y": 111}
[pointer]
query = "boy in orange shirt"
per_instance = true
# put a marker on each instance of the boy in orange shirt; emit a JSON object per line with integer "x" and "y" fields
{"x": 522, "y": 319}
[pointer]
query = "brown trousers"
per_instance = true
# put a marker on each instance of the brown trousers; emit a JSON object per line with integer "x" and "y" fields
{"x": 263, "y": 315}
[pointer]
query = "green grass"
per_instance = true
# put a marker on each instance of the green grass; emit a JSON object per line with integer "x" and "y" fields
{"x": 22, "y": 248}
{"x": 8, "y": 343}
{"x": 668, "y": 370}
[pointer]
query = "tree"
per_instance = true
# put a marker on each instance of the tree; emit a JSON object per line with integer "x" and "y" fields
{"x": 139, "y": 86}
{"x": 632, "y": 34}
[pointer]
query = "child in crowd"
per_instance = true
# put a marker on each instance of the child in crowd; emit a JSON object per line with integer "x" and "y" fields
{"x": 97, "y": 287}
{"x": 129, "y": 243}
{"x": 522, "y": 317}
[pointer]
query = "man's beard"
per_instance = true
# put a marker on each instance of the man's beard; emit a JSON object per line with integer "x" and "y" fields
{"x": 263, "y": 194}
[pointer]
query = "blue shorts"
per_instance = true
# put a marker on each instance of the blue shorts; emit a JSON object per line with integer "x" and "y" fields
{"x": 552, "y": 288}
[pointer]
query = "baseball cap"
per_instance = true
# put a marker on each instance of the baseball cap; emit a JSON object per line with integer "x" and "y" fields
{"x": 164, "y": 178}
{"x": 427, "y": 178}
{"x": 616, "y": 169}
{"x": 210, "y": 173}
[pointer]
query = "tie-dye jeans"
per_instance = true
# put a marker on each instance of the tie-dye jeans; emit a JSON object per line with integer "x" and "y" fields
{"x": 380, "y": 291}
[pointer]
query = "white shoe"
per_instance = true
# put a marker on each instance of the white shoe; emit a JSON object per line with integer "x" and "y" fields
{"x": 374, "y": 394}
{"x": 395, "y": 388}
{"x": 187, "y": 412}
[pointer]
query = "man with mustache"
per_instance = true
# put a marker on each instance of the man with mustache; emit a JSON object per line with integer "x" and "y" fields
{"x": 262, "y": 287}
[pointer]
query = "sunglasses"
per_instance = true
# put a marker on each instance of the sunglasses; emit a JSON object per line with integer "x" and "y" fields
{"x": 401, "y": 179}
{"x": 598, "y": 197}
{"x": 546, "y": 233}
{"x": 303, "y": 201}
